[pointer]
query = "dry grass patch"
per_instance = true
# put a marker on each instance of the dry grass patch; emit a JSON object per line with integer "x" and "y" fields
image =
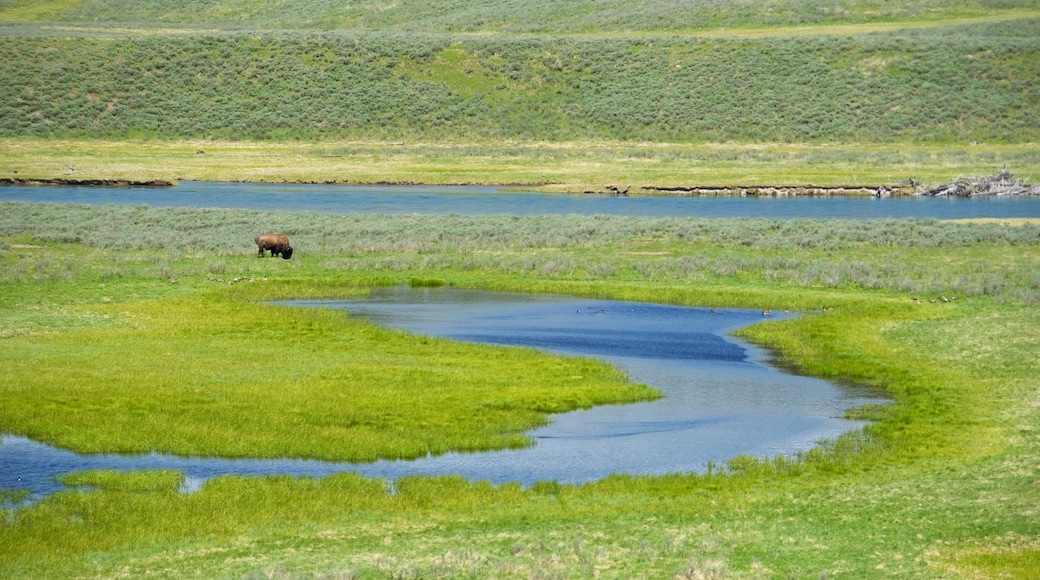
{"x": 551, "y": 167}
{"x": 1011, "y": 557}
{"x": 1013, "y": 222}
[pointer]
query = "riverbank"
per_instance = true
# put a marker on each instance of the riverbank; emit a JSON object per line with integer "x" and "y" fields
{"x": 611, "y": 190}
{"x": 679, "y": 191}
{"x": 85, "y": 182}
{"x": 571, "y": 167}
{"x": 735, "y": 191}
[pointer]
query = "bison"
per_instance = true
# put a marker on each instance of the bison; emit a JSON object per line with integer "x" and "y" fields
{"x": 277, "y": 243}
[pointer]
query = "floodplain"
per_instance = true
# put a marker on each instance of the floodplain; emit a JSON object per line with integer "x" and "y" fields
{"x": 117, "y": 339}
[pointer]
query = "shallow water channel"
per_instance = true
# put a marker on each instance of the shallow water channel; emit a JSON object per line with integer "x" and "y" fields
{"x": 721, "y": 397}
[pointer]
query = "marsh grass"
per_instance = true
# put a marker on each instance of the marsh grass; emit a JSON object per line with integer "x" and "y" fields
{"x": 212, "y": 378}
{"x": 13, "y": 497}
{"x": 937, "y": 483}
{"x": 134, "y": 481}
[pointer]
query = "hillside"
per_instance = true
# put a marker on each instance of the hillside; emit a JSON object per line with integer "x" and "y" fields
{"x": 235, "y": 69}
{"x": 541, "y": 16}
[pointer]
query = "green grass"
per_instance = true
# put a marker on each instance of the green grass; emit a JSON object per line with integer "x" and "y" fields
{"x": 280, "y": 382}
{"x": 523, "y": 16}
{"x": 942, "y": 484}
{"x": 563, "y": 167}
{"x": 897, "y": 86}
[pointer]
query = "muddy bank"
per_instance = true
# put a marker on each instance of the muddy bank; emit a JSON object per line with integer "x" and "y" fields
{"x": 999, "y": 184}
{"x": 758, "y": 190}
{"x": 662, "y": 190}
{"x": 85, "y": 182}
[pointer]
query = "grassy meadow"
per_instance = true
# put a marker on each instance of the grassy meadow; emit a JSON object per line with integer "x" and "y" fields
{"x": 131, "y": 329}
{"x": 119, "y": 336}
{"x": 583, "y": 166}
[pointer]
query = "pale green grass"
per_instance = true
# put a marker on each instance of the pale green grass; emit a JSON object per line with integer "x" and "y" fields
{"x": 845, "y": 29}
{"x": 203, "y": 378}
{"x": 570, "y": 167}
{"x": 1005, "y": 221}
{"x": 34, "y": 10}
{"x": 844, "y": 19}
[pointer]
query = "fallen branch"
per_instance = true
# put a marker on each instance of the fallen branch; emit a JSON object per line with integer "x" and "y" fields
{"x": 999, "y": 184}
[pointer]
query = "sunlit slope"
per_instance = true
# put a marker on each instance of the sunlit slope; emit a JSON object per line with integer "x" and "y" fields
{"x": 966, "y": 83}
{"x": 573, "y": 16}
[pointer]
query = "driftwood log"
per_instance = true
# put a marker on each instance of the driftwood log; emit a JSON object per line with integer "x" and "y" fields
{"x": 998, "y": 184}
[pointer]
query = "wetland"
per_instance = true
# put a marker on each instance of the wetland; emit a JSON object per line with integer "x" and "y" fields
{"x": 720, "y": 397}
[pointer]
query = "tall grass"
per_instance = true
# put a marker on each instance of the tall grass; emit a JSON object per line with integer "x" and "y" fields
{"x": 895, "y": 256}
{"x": 221, "y": 231}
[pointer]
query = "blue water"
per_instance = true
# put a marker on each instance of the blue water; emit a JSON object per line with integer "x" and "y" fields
{"x": 467, "y": 200}
{"x": 721, "y": 397}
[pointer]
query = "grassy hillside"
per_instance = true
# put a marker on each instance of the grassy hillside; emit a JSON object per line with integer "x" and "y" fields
{"x": 517, "y": 16}
{"x": 952, "y": 82}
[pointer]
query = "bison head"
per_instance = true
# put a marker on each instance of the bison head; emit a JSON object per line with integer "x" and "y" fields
{"x": 287, "y": 253}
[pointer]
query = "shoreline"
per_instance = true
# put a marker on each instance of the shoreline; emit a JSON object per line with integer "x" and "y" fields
{"x": 610, "y": 190}
{"x": 61, "y": 181}
{"x": 644, "y": 190}
{"x": 765, "y": 191}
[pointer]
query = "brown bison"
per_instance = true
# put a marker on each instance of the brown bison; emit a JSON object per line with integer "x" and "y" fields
{"x": 277, "y": 243}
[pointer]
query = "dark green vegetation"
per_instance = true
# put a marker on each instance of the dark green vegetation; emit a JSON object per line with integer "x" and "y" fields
{"x": 101, "y": 313}
{"x": 954, "y": 82}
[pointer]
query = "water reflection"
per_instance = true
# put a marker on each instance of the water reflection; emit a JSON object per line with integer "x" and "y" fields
{"x": 721, "y": 398}
{"x": 477, "y": 200}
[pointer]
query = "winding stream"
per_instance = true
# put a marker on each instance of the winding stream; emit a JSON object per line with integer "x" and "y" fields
{"x": 721, "y": 397}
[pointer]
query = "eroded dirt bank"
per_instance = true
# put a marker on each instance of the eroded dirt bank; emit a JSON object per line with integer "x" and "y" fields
{"x": 85, "y": 182}
{"x": 758, "y": 190}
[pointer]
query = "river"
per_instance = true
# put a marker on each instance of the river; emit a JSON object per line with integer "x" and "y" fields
{"x": 473, "y": 200}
